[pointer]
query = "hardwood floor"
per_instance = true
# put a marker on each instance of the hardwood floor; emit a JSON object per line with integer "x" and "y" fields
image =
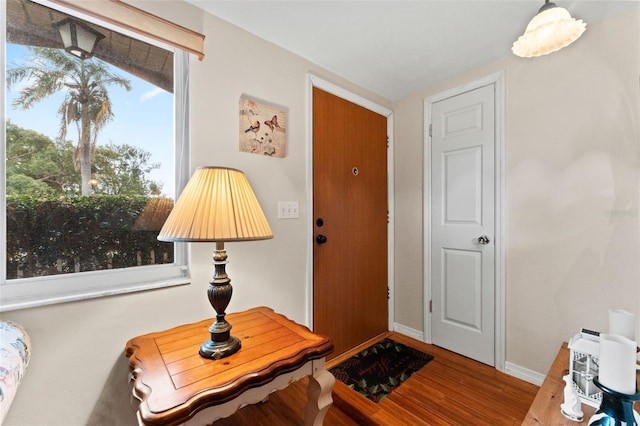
{"x": 450, "y": 390}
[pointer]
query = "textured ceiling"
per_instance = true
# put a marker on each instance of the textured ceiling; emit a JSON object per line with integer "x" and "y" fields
{"x": 394, "y": 48}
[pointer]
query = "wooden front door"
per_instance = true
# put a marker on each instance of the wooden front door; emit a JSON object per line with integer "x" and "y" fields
{"x": 350, "y": 299}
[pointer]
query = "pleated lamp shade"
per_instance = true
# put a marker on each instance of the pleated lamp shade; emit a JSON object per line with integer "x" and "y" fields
{"x": 550, "y": 30}
{"x": 217, "y": 204}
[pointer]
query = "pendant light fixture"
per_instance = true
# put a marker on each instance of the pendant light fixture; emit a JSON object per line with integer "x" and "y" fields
{"x": 551, "y": 29}
{"x": 78, "y": 39}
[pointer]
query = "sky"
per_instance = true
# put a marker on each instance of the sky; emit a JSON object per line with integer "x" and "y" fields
{"x": 143, "y": 117}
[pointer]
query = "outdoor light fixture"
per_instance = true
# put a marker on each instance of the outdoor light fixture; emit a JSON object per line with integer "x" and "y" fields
{"x": 217, "y": 205}
{"x": 551, "y": 29}
{"x": 78, "y": 39}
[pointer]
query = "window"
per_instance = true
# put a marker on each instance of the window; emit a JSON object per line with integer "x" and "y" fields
{"x": 96, "y": 150}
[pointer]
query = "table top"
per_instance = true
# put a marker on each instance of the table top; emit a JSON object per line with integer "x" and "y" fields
{"x": 545, "y": 409}
{"x": 172, "y": 380}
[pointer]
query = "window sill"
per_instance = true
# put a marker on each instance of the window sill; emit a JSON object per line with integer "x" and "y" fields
{"x": 30, "y": 293}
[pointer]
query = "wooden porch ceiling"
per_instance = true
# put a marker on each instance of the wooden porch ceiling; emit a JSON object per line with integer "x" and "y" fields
{"x": 32, "y": 24}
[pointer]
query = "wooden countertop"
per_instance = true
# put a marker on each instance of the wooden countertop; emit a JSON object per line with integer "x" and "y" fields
{"x": 545, "y": 409}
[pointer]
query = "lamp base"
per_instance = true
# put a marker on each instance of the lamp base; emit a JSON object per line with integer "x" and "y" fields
{"x": 615, "y": 409}
{"x": 222, "y": 343}
{"x": 217, "y": 350}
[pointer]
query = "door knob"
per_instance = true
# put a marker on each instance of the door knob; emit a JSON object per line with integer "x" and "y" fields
{"x": 321, "y": 239}
{"x": 483, "y": 239}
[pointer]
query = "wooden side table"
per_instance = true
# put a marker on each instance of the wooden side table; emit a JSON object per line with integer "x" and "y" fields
{"x": 175, "y": 385}
{"x": 545, "y": 409}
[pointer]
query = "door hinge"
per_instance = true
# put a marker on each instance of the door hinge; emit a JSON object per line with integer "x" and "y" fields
{"x": 430, "y": 130}
{"x": 387, "y": 141}
{"x": 430, "y": 306}
{"x": 388, "y": 293}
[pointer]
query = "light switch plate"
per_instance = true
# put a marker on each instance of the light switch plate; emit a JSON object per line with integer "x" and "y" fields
{"x": 288, "y": 210}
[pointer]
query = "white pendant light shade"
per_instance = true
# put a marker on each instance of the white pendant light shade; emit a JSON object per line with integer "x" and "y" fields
{"x": 550, "y": 30}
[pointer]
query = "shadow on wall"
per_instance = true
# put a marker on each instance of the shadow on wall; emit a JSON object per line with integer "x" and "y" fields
{"x": 113, "y": 407}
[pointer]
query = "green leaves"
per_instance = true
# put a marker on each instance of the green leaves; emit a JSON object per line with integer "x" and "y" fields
{"x": 49, "y": 235}
{"x": 35, "y": 163}
{"x": 86, "y": 98}
{"x": 362, "y": 383}
{"x": 123, "y": 169}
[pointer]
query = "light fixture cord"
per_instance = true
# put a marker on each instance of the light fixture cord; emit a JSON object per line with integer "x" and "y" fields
{"x": 547, "y": 5}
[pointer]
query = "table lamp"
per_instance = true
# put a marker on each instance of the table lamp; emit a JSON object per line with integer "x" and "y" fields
{"x": 217, "y": 205}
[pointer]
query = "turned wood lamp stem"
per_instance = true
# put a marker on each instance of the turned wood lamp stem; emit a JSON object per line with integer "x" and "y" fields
{"x": 222, "y": 343}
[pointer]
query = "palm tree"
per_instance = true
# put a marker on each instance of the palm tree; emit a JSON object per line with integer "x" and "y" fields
{"x": 86, "y": 99}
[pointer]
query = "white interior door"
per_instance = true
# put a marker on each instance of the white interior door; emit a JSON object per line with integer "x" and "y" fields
{"x": 463, "y": 224}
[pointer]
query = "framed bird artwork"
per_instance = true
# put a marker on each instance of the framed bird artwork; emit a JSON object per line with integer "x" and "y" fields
{"x": 263, "y": 128}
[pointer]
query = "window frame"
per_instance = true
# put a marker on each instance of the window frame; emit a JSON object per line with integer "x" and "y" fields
{"x": 39, "y": 291}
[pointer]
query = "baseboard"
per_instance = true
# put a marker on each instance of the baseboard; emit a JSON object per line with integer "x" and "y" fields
{"x": 408, "y": 331}
{"x": 511, "y": 369}
{"x": 524, "y": 373}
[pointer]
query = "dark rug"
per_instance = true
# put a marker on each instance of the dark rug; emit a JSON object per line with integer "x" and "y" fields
{"x": 378, "y": 370}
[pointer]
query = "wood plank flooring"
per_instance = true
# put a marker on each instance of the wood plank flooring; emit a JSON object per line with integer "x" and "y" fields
{"x": 450, "y": 390}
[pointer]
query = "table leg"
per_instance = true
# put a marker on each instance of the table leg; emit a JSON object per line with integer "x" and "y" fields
{"x": 318, "y": 394}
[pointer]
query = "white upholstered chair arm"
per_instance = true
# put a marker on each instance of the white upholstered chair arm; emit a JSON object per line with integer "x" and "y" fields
{"x": 15, "y": 352}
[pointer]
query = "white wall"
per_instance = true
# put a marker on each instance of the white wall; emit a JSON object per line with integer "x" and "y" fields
{"x": 572, "y": 157}
{"x": 78, "y": 374}
{"x": 572, "y": 190}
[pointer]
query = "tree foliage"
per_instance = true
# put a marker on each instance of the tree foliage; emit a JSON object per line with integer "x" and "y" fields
{"x": 86, "y": 102}
{"x": 53, "y": 226}
{"x": 36, "y": 164}
{"x": 123, "y": 169}
{"x": 52, "y": 230}
{"x": 48, "y": 235}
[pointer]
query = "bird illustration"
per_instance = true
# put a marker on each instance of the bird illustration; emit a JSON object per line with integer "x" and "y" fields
{"x": 254, "y": 127}
{"x": 273, "y": 123}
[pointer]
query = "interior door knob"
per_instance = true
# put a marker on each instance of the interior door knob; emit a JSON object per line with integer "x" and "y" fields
{"x": 483, "y": 239}
{"x": 321, "y": 239}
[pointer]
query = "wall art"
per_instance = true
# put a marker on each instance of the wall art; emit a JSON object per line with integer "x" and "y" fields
{"x": 263, "y": 128}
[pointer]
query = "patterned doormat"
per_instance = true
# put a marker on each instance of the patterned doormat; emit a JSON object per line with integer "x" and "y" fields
{"x": 378, "y": 370}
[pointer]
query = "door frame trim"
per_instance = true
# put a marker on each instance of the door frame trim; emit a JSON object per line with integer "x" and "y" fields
{"x": 315, "y": 81}
{"x": 498, "y": 80}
